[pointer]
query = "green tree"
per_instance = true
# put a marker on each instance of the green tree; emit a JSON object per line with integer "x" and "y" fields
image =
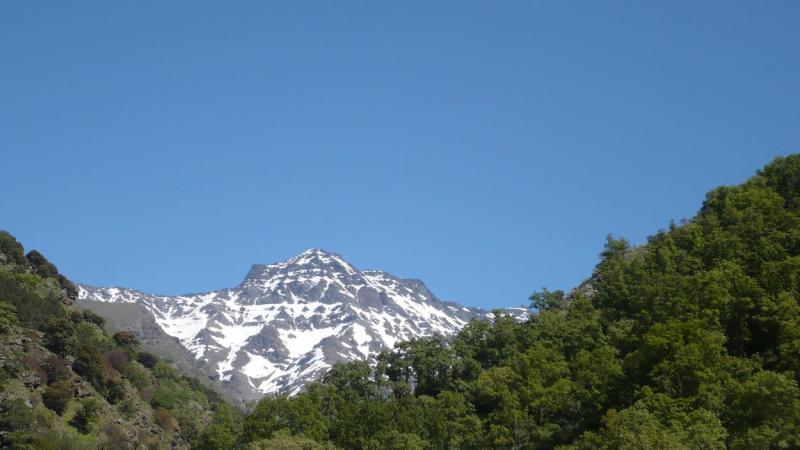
{"x": 283, "y": 440}
{"x": 223, "y": 431}
{"x": 544, "y": 299}
{"x": 764, "y": 412}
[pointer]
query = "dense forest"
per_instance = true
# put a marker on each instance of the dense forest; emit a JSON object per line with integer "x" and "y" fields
{"x": 690, "y": 341}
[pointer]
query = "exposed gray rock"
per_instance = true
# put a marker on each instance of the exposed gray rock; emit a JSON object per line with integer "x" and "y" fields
{"x": 31, "y": 380}
{"x": 288, "y": 322}
{"x": 82, "y": 388}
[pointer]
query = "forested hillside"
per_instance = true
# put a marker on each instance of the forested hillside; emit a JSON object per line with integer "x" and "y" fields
{"x": 691, "y": 341}
{"x": 65, "y": 384}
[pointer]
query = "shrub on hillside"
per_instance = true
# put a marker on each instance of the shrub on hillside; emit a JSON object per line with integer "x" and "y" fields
{"x": 136, "y": 375}
{"x": 35, "y": 303}
{"x": 115, "y": 437}
{"x": 96, "y": 319}
{"x": 164, "y": 419}
{"x": 115, "y": 359}
{"x": 8, "y": 316}
{"x": 126, "y": 339}
{"x": 11, "y": 248}
{"x": 113, "y": 390}
{"x": 41, "y": 265}
{"x": 146, "y": 359}
{"x": 127, "y": 408}
{"x": 59, "y": 336}
{"x": 86, "y": 415}
{"x": 56, "y": 368}
{"x": 57, "y": 396}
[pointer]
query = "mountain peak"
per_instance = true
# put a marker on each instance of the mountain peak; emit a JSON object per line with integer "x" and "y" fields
{"x": 311, "y": 260}
{"x": 289, "y": 321}
{"x": 319, "y": 254}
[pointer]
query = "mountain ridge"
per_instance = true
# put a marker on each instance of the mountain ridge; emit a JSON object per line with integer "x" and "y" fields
{"x": 288, "y": 322}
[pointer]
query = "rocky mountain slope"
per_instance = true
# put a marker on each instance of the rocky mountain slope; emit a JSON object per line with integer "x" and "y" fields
{"x": 288, "y": 322}
{"x": 67, "y": 384}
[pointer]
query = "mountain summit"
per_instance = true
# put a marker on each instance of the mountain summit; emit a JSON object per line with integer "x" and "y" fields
{"x": 288, "y": 322}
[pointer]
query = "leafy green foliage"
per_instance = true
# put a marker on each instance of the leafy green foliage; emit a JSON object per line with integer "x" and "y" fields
{"x": 165, "y": 420}
{"x": 544, "y": 299}
{"x": 690, "y": 341}
{"x": 90, "y": 316}
{"x": 223, "y": 432}
{"x": 85, "y": 416}
{"x": 8, "y": 316}
{"x": 127, "y": 408}
{"x": 33, "y": 298}
{"x": 12, "y": 249}
{"x": 60, "y": 336}
{"x": 283, "y": 440}
{"x": 41, "y": 265}
{"x": 57, "y": 396}
{"x": 46, "y": 269}
{"x": 56, "y": 369}
{"x": 126, "y": 339}
{"x": 18, "y": 422}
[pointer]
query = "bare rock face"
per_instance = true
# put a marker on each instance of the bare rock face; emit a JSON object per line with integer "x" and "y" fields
{"x": 31, "y": 380}
{"x": 82, "y": 388}
{"x": 288, "y": 322}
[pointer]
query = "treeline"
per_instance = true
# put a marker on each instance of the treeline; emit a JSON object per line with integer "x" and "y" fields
{"x": 691, "y": 341}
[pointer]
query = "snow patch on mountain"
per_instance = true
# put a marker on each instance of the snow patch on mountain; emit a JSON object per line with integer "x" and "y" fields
{"x": 288, "y": 322}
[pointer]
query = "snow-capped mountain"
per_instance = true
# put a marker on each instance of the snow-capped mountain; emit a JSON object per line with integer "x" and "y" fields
{"x": 288, "y": 322}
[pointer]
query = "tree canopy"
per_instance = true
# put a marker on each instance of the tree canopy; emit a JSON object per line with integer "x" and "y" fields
{"x": 689, "y": 341}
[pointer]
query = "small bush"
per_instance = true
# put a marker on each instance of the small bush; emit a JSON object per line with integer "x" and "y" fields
{"x": 113, "y": 390}
{"x": 126, "y": 339}
{"x": 164, "y": 371}
{"x": 56, "y": 368}
{"x": 76, "y": 317}
{"x": 90, "y": 316}
{"x": 137, "y": 376}
{"x": 8, "y": 316}
{"x": 35, "y": 303}
{"x": 86, "y": 415}
{"x": 115, "y": 359}
{"x": 11, "y": 248}
{"x": 87, "y": 365}
{"x": 59, "y": 336}
{"x": 41, "y": 265}
{"x": 72, "y": 291}
{"x": 164, "y": 419}
{"x": 284, "y": 440}
{"x": 17, "y": 415}
{"x": 127, "y": 408}
{"x": 148, "y": 360}
{"x": 57, "y": 396}
{"x": 115, "y": 436}
{"x": 147, "y": 394}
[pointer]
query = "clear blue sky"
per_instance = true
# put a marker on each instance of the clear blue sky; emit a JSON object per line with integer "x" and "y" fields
{"x": 484, "y": 147}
